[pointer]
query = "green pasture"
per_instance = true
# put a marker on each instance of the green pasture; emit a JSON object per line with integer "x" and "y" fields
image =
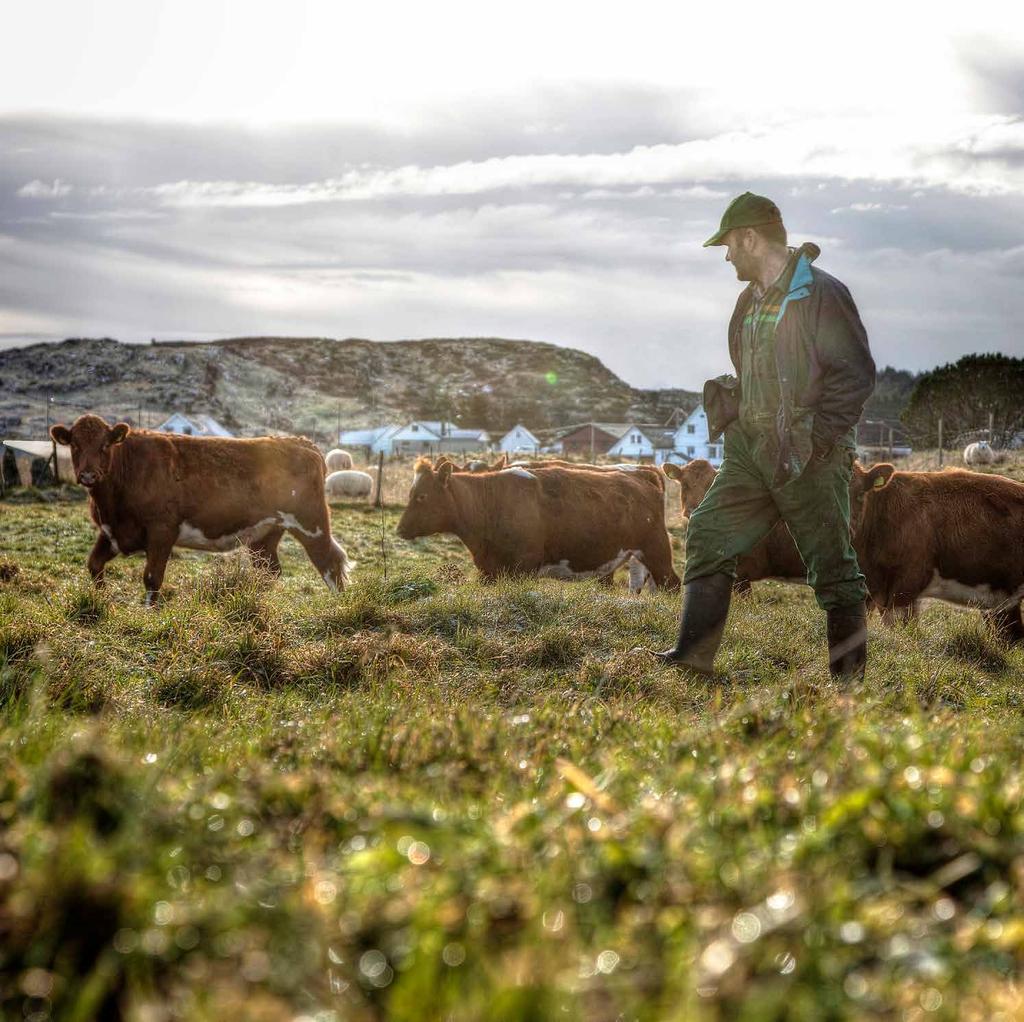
{"x": 431, "y": 799}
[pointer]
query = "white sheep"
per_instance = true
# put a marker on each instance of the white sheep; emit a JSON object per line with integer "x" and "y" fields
{"x": 340, "y": 485}
{"x": 338, "y": 460}
{"x": 979, "y": 453}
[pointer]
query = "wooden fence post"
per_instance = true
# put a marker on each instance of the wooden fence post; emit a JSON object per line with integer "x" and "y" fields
{"x": 940, "y": 441}
{"x": 379, "y": 499}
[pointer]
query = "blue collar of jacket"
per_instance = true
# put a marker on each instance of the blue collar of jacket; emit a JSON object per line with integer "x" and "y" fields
{"x": 801, "y": 278}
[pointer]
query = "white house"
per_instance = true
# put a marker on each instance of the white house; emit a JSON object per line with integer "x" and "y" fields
{"x": 691, "y": 439}
{"x": 368, "y": 441}
{"x": 197, "y": 425}
{"x": 519, "y": 440}
{"x": 633, "y": 443}
{"x": 417, "y": 437}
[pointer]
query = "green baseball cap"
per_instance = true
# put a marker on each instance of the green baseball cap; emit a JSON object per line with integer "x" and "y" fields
{"x": 746, "y": 210}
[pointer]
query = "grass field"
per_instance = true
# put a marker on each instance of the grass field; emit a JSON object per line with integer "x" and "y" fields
{"x": 432, "y": 799}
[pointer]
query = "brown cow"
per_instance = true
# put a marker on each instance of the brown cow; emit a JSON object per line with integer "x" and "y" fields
{"x": 775, "y": 556}
{"x": 551, "y": 522}
{"x": 956, "y": 536}
{"x": 154, "y": 491}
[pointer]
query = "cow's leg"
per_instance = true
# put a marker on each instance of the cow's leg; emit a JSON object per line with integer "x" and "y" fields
{"x": 657, "y": 559}
{"x": 328, "y": 557}
{"x": 1007, "y": 622}
{"x": 159, "y": 543}
{"x": 264, "y": 552}
{"x": 102, "y": 552}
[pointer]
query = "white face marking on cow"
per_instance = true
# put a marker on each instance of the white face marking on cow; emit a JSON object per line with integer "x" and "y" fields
{"x": 517, "y": 471}
{"x": 291, "y": 522}
{"x": 952, "y": 591}
{"x": 195, "y": 539}
{"x": 108, "y": 532}
{"x": 563, "y": 571}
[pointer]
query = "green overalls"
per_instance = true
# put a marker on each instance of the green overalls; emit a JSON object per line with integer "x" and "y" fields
{"x": 769, "y": 470}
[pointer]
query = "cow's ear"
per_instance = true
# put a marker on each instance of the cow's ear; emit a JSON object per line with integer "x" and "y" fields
{"x": 118, "y": 433}
{"x": 60, "y": 435}
{"x": 672, "y": 471}
{"x": 444, "y": 472}
{"x": 879, "y": 475}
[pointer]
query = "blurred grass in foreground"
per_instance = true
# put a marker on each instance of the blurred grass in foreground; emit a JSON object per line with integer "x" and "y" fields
{"x": 432, "y": 799}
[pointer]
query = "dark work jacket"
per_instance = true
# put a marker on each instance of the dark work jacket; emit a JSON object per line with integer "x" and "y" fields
{"x": 825, "y": 368}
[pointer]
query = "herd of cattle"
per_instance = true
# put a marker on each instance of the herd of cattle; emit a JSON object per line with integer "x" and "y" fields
{"x": 954, "y": 535}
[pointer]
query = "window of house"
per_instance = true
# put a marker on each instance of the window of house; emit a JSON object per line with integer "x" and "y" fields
{"x": 689, "y": 450}
{"x": 414, "y": 428}
{"x": 636, "y": 438}
{"x": 691, "y": 428}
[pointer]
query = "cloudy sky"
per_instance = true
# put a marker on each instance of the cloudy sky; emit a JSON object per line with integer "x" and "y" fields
{"x": 534, "y": 170}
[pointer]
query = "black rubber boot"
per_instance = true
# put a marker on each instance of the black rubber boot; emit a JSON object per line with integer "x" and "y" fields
{"x": 701, "y": 624}
{"x": 848, "y": 642}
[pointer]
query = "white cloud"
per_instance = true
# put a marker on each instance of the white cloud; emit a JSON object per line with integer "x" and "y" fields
{"x": 41, "y": 190}
{"x": 930, "y": 154}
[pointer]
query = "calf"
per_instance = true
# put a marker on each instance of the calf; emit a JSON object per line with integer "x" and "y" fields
{"x": 956, "y": 536}
{"x": 551, "y": 522}
{"x": 149, "y": 492}
{"x": 775, "y": 556}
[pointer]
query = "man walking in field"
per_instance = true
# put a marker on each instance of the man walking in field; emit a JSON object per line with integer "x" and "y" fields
{"x": 805, "y": 370}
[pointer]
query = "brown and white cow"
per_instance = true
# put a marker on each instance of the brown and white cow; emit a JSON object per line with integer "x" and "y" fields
{"x": 774, "y": 557}
{"x": 149, "y": 492}
{"x": 956, "y": 536}
{"x": 551, "y": 522}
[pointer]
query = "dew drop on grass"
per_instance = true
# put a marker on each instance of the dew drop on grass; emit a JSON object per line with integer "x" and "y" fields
{"x": 325, "y": 892}
{"x": 419, "y": 853}
{"x": 453, "y": 955}
{"x": 8, "y": 866}
{"x": 746, "y": 927}
{"x": 718, "y": 957}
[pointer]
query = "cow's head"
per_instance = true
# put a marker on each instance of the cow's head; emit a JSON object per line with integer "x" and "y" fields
{"x": 431, "y": 507}
{"x": 863, "y": 484}
{"x": 91, "y": 441}
{"x": 695, "y": 479}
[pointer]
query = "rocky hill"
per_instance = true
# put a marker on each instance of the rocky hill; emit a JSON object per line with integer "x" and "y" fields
{"x": 258, "y": 385}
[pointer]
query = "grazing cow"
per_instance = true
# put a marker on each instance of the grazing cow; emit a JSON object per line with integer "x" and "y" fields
{"x": 775, "y": 556}
{"x": 956, "y": 536}
{"x": 341, "y": 485}
{"x": 646, "y": 472}
{"x": 551, "y": 522}
{"x": 338, "y": 460}
{"x": 979, "y": 453}
{"x": 149, "y": 492}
